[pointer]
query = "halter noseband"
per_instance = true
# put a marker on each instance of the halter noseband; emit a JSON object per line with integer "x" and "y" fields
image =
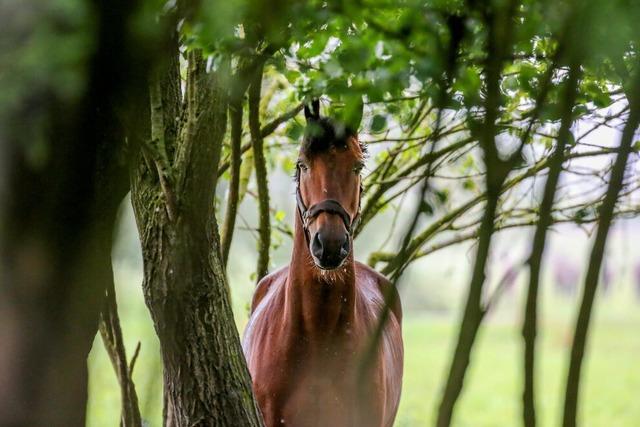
{"x": 307, "y": 215}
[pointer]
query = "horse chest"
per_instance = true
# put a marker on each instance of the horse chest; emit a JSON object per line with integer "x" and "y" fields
{"x": 309, "y": 381}
{"x": 316, "y": 391}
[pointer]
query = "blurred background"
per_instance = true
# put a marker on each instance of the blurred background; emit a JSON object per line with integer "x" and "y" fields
{"x": 432, "y": 294}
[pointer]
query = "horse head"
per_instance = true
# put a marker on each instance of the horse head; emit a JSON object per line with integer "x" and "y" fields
{"x": 328, "y": 187}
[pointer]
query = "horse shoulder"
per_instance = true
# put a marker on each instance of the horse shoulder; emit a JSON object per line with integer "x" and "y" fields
{"x": 265, "y": 284}
{"x": 384, "y": 286}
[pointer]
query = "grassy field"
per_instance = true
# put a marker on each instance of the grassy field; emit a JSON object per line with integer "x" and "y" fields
{"x": 492, "y": 393}
{"x": 493, "y": 387}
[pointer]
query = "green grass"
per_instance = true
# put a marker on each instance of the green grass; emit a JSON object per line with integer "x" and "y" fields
{"x": 491, "y": 397}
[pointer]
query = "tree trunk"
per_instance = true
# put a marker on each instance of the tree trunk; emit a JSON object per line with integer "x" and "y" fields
{"x": 605, "y": 216}
{"x": 56, "y": 229}
{"x": 529, "y": 326}
{"x": 205, "y": 377}
{"x": 497, "y": 170}
{"x": 471, "y": 319}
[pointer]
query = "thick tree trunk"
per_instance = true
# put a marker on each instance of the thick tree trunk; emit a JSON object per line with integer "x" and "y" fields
{"x": 56, "y": 227}
{"x": 205, "y": 377}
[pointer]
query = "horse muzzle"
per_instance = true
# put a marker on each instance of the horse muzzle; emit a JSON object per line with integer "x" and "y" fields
{"x": 329, "y": 250}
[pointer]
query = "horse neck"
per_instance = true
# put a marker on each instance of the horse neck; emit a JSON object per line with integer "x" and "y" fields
{"x": 321, "y": 303}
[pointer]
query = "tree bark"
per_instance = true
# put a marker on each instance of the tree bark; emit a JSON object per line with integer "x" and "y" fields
{"x": 205, "y": 377}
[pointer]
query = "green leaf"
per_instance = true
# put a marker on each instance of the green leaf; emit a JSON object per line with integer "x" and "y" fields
{"x": 378, "y": 123}
{"x": 351, "y": 114}
{"x": 469, "y": 184}
{"x": 442, "y": 195}
{"x": 314, "y": 47}
{"x": 294, "y": 131}
{"x": 426, "y": 208}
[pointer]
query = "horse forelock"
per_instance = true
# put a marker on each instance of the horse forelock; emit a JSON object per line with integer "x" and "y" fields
{"x": 325, "y": 134}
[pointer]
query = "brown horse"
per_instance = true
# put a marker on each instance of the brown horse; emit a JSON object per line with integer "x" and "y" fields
{"x": 313, "y": 321}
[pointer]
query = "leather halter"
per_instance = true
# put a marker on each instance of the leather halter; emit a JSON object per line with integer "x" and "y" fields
{"x": 307, "y": 215}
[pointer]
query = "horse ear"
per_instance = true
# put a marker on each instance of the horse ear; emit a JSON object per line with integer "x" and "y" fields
{"x": 313, "y": 113}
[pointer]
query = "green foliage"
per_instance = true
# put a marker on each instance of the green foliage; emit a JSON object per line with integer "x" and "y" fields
{"x": 413, "y": 78}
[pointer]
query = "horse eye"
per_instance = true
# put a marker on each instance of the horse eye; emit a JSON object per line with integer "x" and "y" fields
{"x": 358, "y": 168}
{"x": 302, "y": 166}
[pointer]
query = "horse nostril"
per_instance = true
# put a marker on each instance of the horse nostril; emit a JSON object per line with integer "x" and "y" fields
{"x": 316, "y": 246}
{"x": 344, "y": 250}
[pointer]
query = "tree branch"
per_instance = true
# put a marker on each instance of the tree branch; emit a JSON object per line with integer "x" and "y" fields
{"x": 235, "y": 112}
{"x": 372, "y": 203}
{"x": 265, "y": 131}
{"x": 201, "y": 142}
{"x": 270, "y": 127}
{"x": 261, "y": 175}
{"x": 111, "y": 334}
